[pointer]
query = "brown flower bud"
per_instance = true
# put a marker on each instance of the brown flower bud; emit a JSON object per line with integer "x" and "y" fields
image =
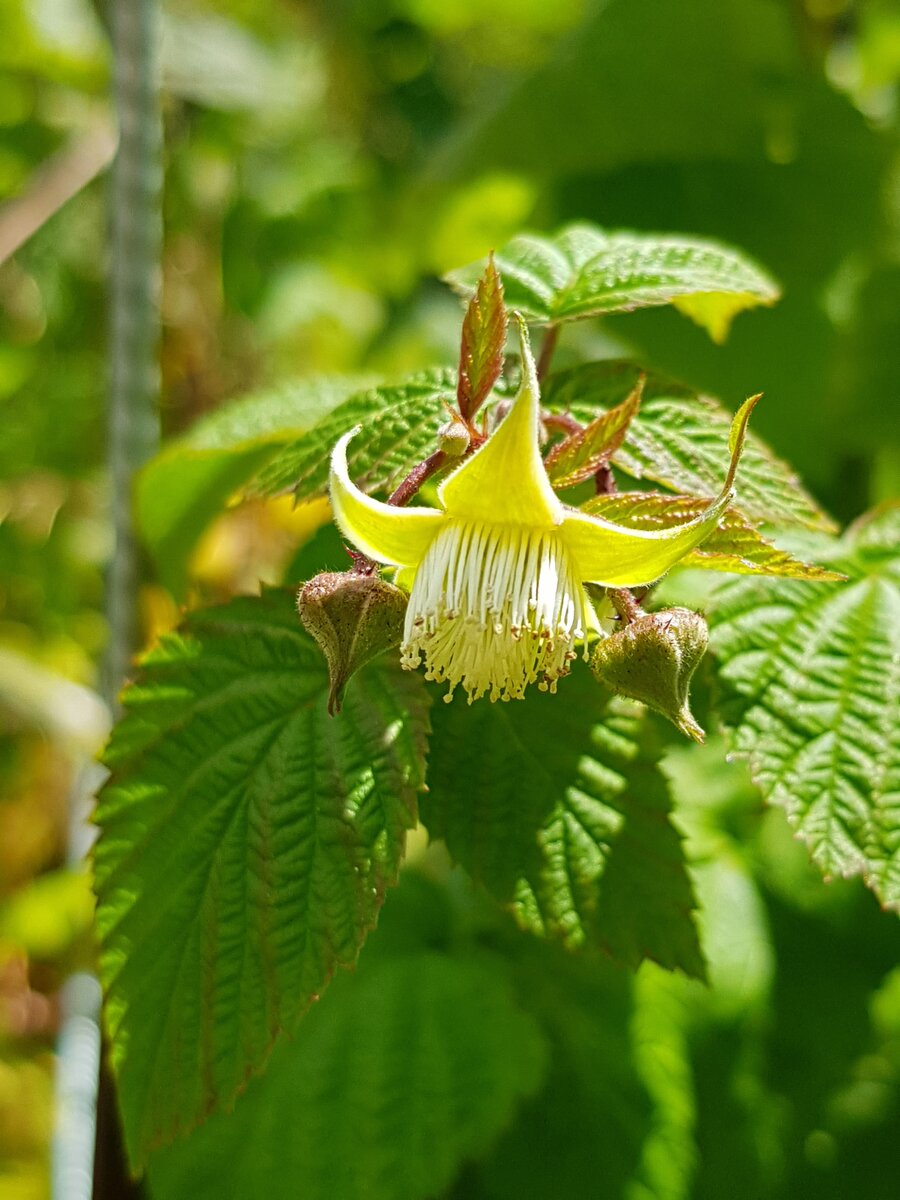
{"x": 353, "y": 617}
{"x": 653, "y": 660}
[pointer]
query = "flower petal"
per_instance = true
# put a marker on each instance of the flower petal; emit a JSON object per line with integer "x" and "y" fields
{"x": 617, "y": 557}
{"x": 611, "y": 555}
{"x": 387, "y": 533}
{"x": 504, "y": 482}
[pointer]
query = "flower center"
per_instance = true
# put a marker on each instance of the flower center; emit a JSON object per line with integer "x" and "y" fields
{"x": 494, "y": 608}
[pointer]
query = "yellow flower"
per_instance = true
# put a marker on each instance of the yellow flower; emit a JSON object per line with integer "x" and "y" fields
{"x": 497, "y": 572}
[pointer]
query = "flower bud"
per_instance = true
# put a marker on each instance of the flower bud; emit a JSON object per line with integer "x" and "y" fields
{"x": 653, "y": 660}
{"x": 353, "y": 617}
{"x": 453, "y": 439}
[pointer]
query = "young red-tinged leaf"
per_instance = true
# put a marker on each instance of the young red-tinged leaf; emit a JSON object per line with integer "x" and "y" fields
{"x": 483, "y": 339}
{"x": 582, "y": 454}
{"x": 734, "y": 545}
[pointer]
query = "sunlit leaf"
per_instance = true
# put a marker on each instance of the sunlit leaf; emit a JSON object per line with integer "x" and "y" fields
{"x": 584, "y": 271}
{"x": 401, "y": 425}
{"x": 811, "y": 679}
{"x": 184, "y": 487}
{"x": 678, "y": 440}
{"x": 246, "y": 842}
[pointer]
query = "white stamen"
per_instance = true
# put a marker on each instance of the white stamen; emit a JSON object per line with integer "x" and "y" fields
{"x": 494, "y": 608}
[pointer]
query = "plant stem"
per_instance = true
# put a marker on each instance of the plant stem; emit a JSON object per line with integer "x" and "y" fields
{"x": 417, "y": 476}
{"x": 625, "y": 604}
{"x": 548, "y": 346}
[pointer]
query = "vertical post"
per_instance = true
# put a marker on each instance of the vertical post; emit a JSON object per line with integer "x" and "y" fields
{"x": 134, "y": 282}
{"x": 88, "y": 1156}
{"x": 135, "y": 251}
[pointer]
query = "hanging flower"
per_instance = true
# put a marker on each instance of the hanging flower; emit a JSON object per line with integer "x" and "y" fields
{"x": 497, "y": 572}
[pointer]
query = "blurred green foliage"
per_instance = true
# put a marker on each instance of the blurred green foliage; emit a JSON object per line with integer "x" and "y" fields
{"x": 325, "y": 160}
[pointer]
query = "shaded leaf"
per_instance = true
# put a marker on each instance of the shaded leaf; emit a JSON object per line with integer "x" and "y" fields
{"x": 400, "y": 429}
{"x": 483, "y": 339}
{"x": 678, "y": 440}
{"x": 734, "y": 546}
{"x": 566, "y": 821}
{"x": 584, "y": 271}
{"x": 400, "y": 1074}
{"x": 581, "y": 455}
{"x": 811, "y": 679}
{"x": 581, "y": 1137}
{"x": 246, "y": 841}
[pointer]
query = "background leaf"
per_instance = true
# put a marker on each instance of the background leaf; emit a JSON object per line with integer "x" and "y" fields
{"x": 585, "y": 271}
{"x": 402, "y": 1072}
{"x": 400, "y": 429}
{"x": 566, "y": 820}
{"x": 811, "y": 678}
{"x": 183, "y": 488}
{"x": 246, "y": 841}
{"x": 680, "y": 439}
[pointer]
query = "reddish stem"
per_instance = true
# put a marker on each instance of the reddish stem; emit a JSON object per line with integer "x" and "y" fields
{"x": 548, "y": 346}
{"x": 563, "y": 422}
{"x": 604, "y": 481}
{"x": 417, "y": 476}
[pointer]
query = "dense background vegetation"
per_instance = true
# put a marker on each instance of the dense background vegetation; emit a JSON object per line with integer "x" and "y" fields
{"x": 324, "y": 164}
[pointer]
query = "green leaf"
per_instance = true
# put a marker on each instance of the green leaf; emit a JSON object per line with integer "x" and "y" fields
{"x": 483, "y": 339}
{"x": 400, "y": 429}
{"x": 585, "y": 271}
{"x": 811, "y": 676}
{"x": 186, "y": 485}
{"x": 679, "y": 439}
{"x": 398, "y": 1076}
{"x": 581, "y": 455}
{"x": 581, "y": 1136}
{"x": 734, "y": 546}
{"x": 557, "y": 806}
{"x": 246, "y": 841}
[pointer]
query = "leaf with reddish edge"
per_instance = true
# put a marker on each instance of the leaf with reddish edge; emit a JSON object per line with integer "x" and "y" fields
{"x": 483, "y": 339}
{"x": 582, "y": 454}
{"x": 734, "y": 546}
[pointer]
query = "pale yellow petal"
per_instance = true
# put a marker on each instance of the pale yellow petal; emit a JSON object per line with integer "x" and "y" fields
{"x": 397, "y": 536}
{"x": 611, "y": 555}
{"x": 617, "y": 557}
{"x": 504, "y": 482}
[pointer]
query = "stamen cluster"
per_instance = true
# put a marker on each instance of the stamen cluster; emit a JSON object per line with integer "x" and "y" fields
{"x": 494, "y": 608}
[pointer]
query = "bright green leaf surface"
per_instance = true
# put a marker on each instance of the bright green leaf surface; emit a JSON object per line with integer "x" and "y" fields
{"x": 246, "y": 841}
{"x": 185, "y": 486}
{"x": 584, "y": 271}
{"x": 566, "y": 820}
{"x": 680, "y": 439}
{"x": 811, "y": 674}
{"x": 400, "y": 429}
{"x": 396, "y": 1077}
{"x": 734, "y": 546}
